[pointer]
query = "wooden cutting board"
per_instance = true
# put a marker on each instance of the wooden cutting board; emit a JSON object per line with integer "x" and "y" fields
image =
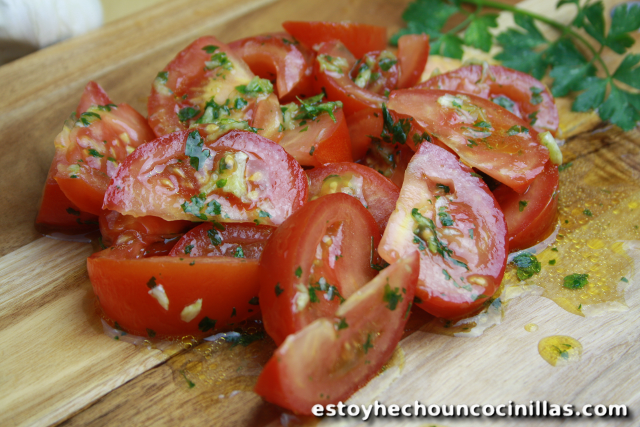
{"x": 58, "y": 367}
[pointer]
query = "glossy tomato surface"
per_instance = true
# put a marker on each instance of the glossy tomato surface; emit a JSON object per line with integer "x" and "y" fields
{"x": 413, "y": 52}
{"x": 281, "y": 57}
{"x": 232, "y": 240}
{"x": 358, "y": 38}
{"x": 516, "y": 91}
{"x": 452, "y": 218}
{"x": 173, "y": 296}
{"x": 530, "y": 216}
{"x": 484, "y": 135}
{"x": 240, "y": 177}
{"x": 376, "y": 193}
{"x": 113, "y": 225}
{"x": 91, "y": 147}
{"x": 317, "y": 140}
{"x": 317, "y": 258}
{"x": 332, "y": 357}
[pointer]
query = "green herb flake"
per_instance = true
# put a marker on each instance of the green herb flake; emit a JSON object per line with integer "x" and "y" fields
{"x": 195, "y": 151}
{"x": 575, "y": 281}
{"x": 163, "y": 77}
{"x": 187, "y": 113}
{"x": 552, "y": 262}
{"x": 210, "y": 49}
{"x": 505, "y": 102}
{"x": 587, "y": 212}
{"x": 151, "y": 333}
{"x": 522, "y": 204}
{"x": 527, "y": 265}
{"x": 278, "y": 289}
{"x": 152, "y": 283}
{"x": 565, "y": 166}
{"x": 187, "y": 249}
{"x": 445, "y": 188}
{"x": 206, "y": 324}
{"x": 625, "y": 280}
{"x": 342, "y": 324}
{"x": 391, "y": 296}
{"x": 447, "y": 276}
{"x": 94, "y": 153}
{"x": 72, "y": 211}
{"x": 215, "y": 237}
{"x": 367, "y": 344}
{"x": 536, "y": 95}
{"x": 238, "y": 253}
{"x": 254, "y": 301}
{"x": 298, "y": 272}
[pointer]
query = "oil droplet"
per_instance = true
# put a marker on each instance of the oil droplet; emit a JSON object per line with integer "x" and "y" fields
{"x": 560, "y": 350}
{"x": 595, "y": 244}
{"x": 530, "y": 327}
{"x": 633, "y": 205}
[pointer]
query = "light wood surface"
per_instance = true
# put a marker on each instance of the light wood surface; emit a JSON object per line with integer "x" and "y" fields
{"x": 57, "y": 365}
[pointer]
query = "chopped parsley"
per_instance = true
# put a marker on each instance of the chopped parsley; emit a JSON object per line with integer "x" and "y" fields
{"x": 445, "y": 188}
{"x": 564, "y": 166}
{"x": 445, "y": 217}
{"x": 311, "y": 108}
{"x": 238, "y": 253}
{"x": 152, "y": 283}
{"x": 536, "y": 97}
{"x": 244, "y": 338}
{"x": 195, "y": 151}
{"x": 587, "y": 212}
{"x": 187, "y": 249}
{"x": 367, "y": 345}
{"x": 522, "y": 204}
{"x": 391, "y": 296}
{"x": 278, "y": 289}
{"x": 298, "y": 272}
{"x": 575, "y": 281}
{"x": 394, "y": 132}
{"x": 505, "y": 102}
{"x": 256, "y": 87}
{"x": 342, "y": 324}
{"x": 214, "y": 236}
{"x": 210, "y": 49}
{"x": 514, "y": 130}
{"x": 206, "y": 324}
{"x": 527, "y": 264}
{"x": 162, "y": 77}
{"x": 254, "y": 301}
{"x": 187, "y": 113}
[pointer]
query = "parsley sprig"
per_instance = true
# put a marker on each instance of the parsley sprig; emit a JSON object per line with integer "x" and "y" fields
{"x": 612, "y": 93}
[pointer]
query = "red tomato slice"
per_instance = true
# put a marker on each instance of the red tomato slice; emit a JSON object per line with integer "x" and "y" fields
{"x": 376, "y": 72}
{"x": 413, "y": 52}
{"x": 483, "y": 134}
{"x": 316, "y": 140}
{"x": 172, "y": 296}
{"x": 93, "y": 94}
{"x": 358, "y": 38}
{"x": 316, "y": 258}
{"x": 235, "y": 240}
{"x": 332, "y": 357}
{"x": 240, "y": 177}
{"x": 332, "y": 69}
{"x": 278, "y": 56}
{"x": 376, "y": 193}
{"x": 516, "y": 91}
{"x": 208, "y": 86}
{"x": 114, "y": 224}
{"x": 90, "y": 149}
{"x": 530, "y": 216}
{"x": 363, "y": 125}
{"x": 449, "y": 214}
{"x": 57, "y": 215}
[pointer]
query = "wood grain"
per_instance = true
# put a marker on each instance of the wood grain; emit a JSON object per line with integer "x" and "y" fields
{"x": 56, "y": 364}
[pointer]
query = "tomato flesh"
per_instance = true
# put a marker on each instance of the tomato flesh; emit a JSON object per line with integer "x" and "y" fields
{"x": 318, "y": 257}
{"x": 332, "y": 357}
{"x": 234, "y": 240}
{"x": 358, "y": 38}
{"x": 168, "y": 296}
{"x": 458, "y": 227}
{"x": 484, "y": 135}
{"x": 278, "y": 56}
{"x": 376, "y": 193}
{"x": 519, "y": 92}
{"x": 413, "y": 52}
{"x": 240, "y": 177}
{"x": 530, "y": 216}
{"x": 113, "y": 225}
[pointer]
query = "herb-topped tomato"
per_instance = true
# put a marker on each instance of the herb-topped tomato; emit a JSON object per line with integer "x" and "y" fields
{"x": 316, "y": 133}
{"x": 332, "y": 357}
{"x": 376, "y": 193}
{"x": 92, "y": 146}
{"x": 448, "y": 214}
{"x": 516, "y": 91}
{"x": 359, "y": 38}
{"x": 240, "y": 177}
{"x": 234, "y": 240}
{"x": 377, "y": 72}
{"x": 318, "y": 257}
{"x": 113, "y": 225}
{"x": 281, "y": 57}
{"x": 209, "y": 87}
{"x": 484, "y": 135}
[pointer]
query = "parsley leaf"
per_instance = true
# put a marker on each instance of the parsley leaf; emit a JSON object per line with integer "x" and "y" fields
{"x": 575, "y": 281}
{"x": 478, "y": 35}
{"x": 195, "y": 151}
{"x": 527, "y": 264}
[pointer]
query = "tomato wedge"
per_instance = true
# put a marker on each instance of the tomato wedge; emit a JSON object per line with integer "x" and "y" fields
{"x": 91, "y": 147}
{"x": 113, "y": 225}
{"x": 281, "y": 57}
{"x": 316, "y": 133}
{"x": 376, "y": 193}
{"x": 332, "y": 69}
{"x": 376, "y": 72}
{"x": 240, "y": 177}
{"x": 332, "y": 357}
{"x": 516, "y": 91}
{"x": 484, "y": 135}
{"x": 358, "y": 38}
{"x": 413, "y": 52}
{"x": 530, "y": 216}
{"x": 318, "y": 257}
{"x": 209, "y": 87}
{"x": 170, "y": 297}
{"x": 449, "y": 214}
{"x": 233, "y": 240}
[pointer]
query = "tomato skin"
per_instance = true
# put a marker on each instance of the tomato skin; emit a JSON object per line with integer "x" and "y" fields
{"x": 413, "y": 51}
{"x": 278, "y": 55}
{"x": 57, "y": 214}
{"x": 326, "y": 362}
{"x": 338, "y": 85}
{"x": 477, "y": 259}
{"x": 377, "y": 193}
{"x": 198, "y": 242}
{"x": 288, "y": 262}
{"x": 93, "y": 94}
{"x": 113, "y": 224}
{"x": 227, "y": 287}
{"x": 514, "y": 160}
{"x": 358, "y": 38}
{"x": 144, "y": 184}
{"x": 324, "y": 141}
{"x": 530, "y": 224}
{"x": 362, "y": 125}
{"x": 501, "y": 81}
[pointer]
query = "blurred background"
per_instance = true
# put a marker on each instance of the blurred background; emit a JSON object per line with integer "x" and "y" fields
{"x": 28, "y": 25}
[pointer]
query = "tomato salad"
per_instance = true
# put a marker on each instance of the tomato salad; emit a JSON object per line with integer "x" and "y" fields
{"x": 309, "y": 178}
